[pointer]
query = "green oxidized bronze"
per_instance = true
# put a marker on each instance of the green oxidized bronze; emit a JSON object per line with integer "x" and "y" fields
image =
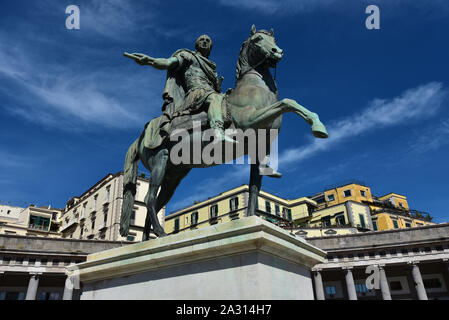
{"x": 193, "y": 93}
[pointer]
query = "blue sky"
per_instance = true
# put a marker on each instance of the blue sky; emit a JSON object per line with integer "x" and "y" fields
{"x": 71, "y": 104}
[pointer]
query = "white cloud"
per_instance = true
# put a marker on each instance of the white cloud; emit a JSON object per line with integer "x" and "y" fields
{"x": 417, "y": 103}
{"x": 55, "y": 95}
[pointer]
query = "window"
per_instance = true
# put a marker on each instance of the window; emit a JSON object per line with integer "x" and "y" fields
{"x": 277, "y": 210}
{"x": 289, "y": 214}
{"x": 93, "y": 223}
{"x": 395, "y": 224}
{"x": 331, "y": 291}
{"x": 267, "y": 206}
{"x": 401, "y": 205}
{"x": 347, "y": 193}
{"x": 395, "y": 285}
{"x": 340, "y": 219}
{"x": 105, "y": 220}
{"x": 363, "y": 193}
{"x": 39, "y": 223}
{"x": 55, "y": 262}
{"x": 234, "y": 203}
{"x": 81, "y": 231}
{"x": 361, "y": 288}
{"x": 326, "y": 221}
{"x": 176, "y": 225}
{"x": 9, "y": 211}
{"x": 49, "y": 296}
{"x": 133, "y": 218}
{"x": 362, "y": 221}
{"x": 131, "y": 237}
{"x": 95, "y": 202}
{"x": 214, "y": 211}
{"x": 108, "y": 193}
{"x": 44, "y": 262}
{"x": 330, "y": 197}
{"x": 194, "y": 218}
{"x": 408, "y": 225}
{"x": 83, "y": 212}
{"x": 375, "y": 225}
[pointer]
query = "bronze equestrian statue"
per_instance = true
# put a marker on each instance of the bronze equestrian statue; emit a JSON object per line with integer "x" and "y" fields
{"x": 193, "y": 94}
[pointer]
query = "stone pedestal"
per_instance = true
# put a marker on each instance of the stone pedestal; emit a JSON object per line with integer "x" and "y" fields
{"x": 247, "y": 258}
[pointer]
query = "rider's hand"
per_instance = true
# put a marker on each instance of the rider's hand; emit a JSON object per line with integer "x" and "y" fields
{"x": 143, "y": 59}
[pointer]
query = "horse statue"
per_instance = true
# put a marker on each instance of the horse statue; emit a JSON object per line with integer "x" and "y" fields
{"x": 252, "y": 104}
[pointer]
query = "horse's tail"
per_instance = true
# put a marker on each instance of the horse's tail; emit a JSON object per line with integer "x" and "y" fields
{"x": 129, "y": 186}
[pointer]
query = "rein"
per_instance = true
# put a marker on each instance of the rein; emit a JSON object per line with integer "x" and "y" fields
{"x": 257, "y": 65}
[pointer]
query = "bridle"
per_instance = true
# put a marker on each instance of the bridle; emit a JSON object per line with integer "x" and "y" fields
{"x": 251, "y": 45}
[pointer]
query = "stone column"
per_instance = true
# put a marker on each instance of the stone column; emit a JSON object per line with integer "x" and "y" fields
{"x": 384, "y": 288}
{"x": 417, "y": 279}
{"x": 350, "y": 283}
{"x": 319, "y": 291}
{"x": 68, "y": 289}
{"x": 32, "y": 286}
{"x": 446, "y": 262}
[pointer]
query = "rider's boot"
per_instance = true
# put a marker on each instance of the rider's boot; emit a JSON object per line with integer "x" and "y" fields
{"x": 219, "y": 132}
{"x": 265, "y": 170}
{"x": 269, "y": 172}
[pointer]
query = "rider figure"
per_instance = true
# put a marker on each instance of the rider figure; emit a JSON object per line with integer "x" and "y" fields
{"x": 196, "y": 78}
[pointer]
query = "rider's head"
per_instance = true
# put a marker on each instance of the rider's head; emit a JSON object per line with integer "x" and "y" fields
{"x": 204, "y": 45}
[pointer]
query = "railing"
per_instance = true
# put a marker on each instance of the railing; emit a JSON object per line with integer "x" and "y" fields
{"x": 38, "y": 227}
{"x": 389, "y": 208}
{"x": 69, "y": 224}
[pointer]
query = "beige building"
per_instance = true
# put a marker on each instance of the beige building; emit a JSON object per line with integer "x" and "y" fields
{"x": 96, "y": 213}
{"x": 30, "y": 221}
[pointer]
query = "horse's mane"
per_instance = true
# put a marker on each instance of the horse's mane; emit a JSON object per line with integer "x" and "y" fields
{"x": 242, "y": 64}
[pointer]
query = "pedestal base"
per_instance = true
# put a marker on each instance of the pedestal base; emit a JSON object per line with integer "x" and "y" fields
{"x": 243, "y": 259}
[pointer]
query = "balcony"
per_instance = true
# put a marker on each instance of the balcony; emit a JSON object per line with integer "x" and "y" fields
{"x": 102, "y": 226}
{"x": 71, "y": 223}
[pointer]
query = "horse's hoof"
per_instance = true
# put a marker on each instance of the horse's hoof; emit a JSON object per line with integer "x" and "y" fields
{"x": 319, "y": 131}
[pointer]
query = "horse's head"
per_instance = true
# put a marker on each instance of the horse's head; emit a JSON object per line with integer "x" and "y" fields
{"x": 258, "y": 50}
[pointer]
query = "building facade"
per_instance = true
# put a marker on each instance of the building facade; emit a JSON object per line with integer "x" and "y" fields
{"x": 387, "y": 212}
{"x": 30, "y": 221}
{"x": 34, "y": 268}
{"x": 233, "y": 204}
{"x": 410, "y": 264}
{"x": 96, "y": 213}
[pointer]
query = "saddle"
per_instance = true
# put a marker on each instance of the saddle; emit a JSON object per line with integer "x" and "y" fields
{"x": 153, "y": 137}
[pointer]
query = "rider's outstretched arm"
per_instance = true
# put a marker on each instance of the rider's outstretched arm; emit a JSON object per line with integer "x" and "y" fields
{"x": 158, "y": 63}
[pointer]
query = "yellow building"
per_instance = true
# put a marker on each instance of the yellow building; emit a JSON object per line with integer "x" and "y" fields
{"x": 233, "y": 204}
{"x": 390, "y": 211}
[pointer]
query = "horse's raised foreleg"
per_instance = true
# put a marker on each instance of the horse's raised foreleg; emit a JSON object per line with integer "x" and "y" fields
{"x": 318, "y": 128}
{"x": 158, "y": 164}
{"x": 271, "y": 112}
